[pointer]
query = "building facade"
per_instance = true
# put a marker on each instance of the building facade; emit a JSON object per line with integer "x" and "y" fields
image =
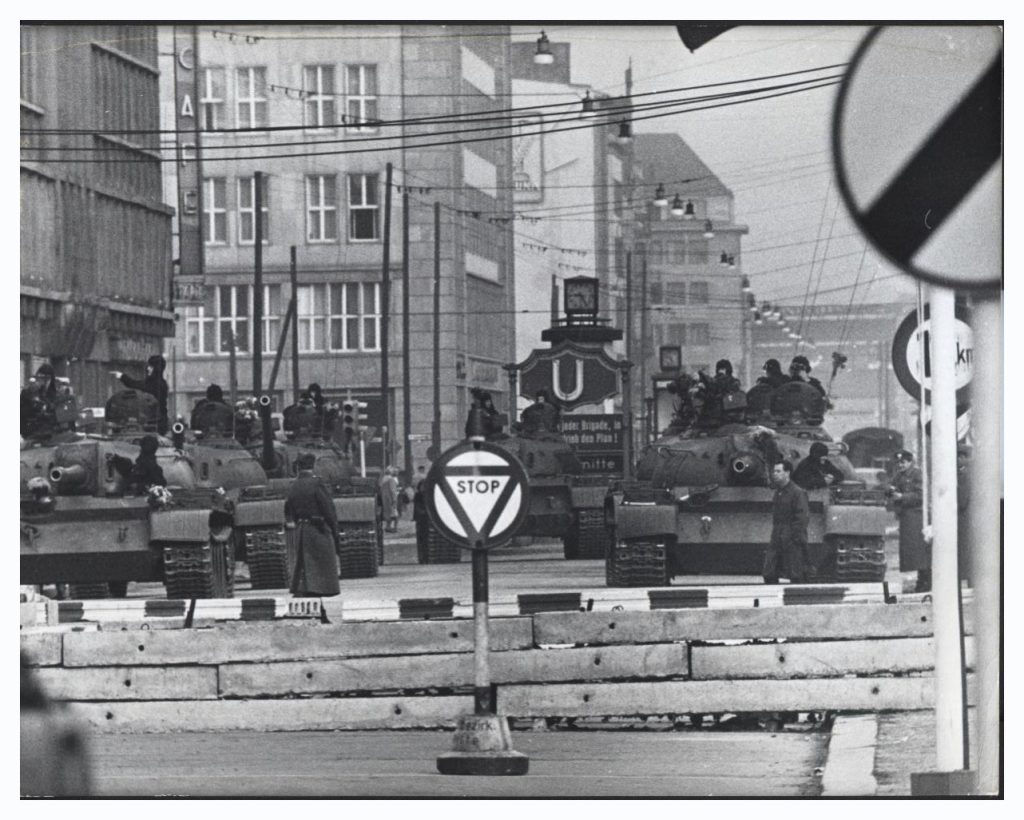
{"x": 321, "y": 112}
{"x": 95, "y": 234}
{"x": 687, "y": 266}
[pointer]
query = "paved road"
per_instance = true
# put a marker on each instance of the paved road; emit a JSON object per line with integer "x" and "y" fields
{"x": 403, "y": 764}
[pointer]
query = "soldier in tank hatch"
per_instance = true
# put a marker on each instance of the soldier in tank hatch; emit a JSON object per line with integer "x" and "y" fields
{"x": 773, "y": 375}
{"x": 39, "y": 402}
{"x": 716, "y": 390}
{"x": 816, "y": 472}
{"x": 800, "y": 371}
{"x": 212, "y": 412}
{"x": 155, "y": 384}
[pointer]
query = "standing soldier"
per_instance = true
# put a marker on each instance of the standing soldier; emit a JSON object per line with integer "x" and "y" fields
{"x": 787, "y": 553}
{"x": 313, "y": 534}
{"x": 155, "y": 384}
{"x": 906, "y": 495}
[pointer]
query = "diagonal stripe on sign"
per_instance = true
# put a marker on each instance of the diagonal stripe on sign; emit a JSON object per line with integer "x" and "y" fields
{"x": 499, "y": 507}
{"x": 479, "y": 506}
{"x": 456, "y": 508}
{"x": 942, "y": 173}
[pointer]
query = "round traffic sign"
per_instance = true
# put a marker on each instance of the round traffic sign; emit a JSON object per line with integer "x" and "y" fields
{"x": 477, "y": 495}
{"x": 906, "y": 356}
{"x": 917, "y": 145}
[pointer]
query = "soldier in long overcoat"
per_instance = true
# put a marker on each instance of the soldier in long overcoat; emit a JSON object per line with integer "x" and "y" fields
{"x": 313, "y": 541}
{"x": 905, "y": 492}
{"x": 787, "y": 552}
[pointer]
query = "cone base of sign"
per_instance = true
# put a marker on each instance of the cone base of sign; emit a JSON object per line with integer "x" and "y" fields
{"x": 944, "y": 784}
{"x": 483, "y": 746}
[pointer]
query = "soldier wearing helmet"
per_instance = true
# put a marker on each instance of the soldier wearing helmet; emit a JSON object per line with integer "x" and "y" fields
{"x": 773, "y": 375}
{"x": 39, "y": 402}
{"x": 715, "y": 392}
{"x": 155, "y": 384}
{"x": 800, "y": 371}
{"x": 816, "y": 472}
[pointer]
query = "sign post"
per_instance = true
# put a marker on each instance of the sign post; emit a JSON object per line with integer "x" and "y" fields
{"x": 476, "y": 496}
{"x": 926, "y": 189}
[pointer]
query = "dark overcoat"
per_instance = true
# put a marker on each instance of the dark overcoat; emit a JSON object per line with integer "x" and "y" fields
{"x": 313, "y": 543}
{"x": 787, "y": 552}
{"x": 914, "y": 552}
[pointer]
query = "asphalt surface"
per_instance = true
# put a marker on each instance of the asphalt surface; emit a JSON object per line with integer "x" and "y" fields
{"x": 403, "y": 764}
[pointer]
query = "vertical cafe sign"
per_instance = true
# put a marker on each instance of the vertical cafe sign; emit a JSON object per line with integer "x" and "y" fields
{"x": 188, "y": 165}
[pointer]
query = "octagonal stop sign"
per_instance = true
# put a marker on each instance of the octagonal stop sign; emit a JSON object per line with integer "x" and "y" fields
{"x": 477, "y": 495}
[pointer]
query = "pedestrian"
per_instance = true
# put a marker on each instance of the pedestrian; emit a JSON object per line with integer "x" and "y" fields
{"x": 787, "y": 555}
{"x": 313, "y": 541}
{"x": 155, "y": 384}
{"x": 906, "y": 495}
{"x": 388, "y": 488}
{"x": 816, "y": 472}
{"x": 419, "y": 513}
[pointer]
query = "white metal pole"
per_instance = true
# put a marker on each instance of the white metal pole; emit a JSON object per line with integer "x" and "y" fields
{"x": 922, "y": 415}
{"x": 984, "y": 510}
{"x": 945, "y": 610}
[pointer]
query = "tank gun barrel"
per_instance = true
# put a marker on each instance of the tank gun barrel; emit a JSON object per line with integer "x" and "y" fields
{"x": 178, "y": 435}
{"x": 746, "y": 468}
{"x": 267, "y": 457}
{"x": 70, "y": 477}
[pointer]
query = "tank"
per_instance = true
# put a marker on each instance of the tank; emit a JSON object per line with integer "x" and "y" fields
{"x": 563, "y": 502}
{"x": 261, "y": 508}
{"x": 701, "y": 501}
{"x": 85, "y": 523}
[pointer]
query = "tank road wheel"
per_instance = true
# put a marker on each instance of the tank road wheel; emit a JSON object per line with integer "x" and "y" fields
{"x": 440, "y": 550}
{"x": 266, "y": 554}
{"x": 86, "y": 592}
{"x": 636, "y": 564}
{"x": 358, "y": 554}
{"x": 856, "y": 558}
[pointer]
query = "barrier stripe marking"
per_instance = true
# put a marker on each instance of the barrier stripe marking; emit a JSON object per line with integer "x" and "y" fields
{"x": 530, "y": 603}
{"x": 678, "y": 598}
{"x": 942, "y": 173}
{"x": 258, "y": 609}
{"x": 70, "y": 611}
{"x": 813, "y": 595}
{"x": 164, "y": 609}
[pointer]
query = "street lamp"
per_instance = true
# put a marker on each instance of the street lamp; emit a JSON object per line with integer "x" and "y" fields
{"x": 708, "y": 230}
{"x": 745, "y": 284}
{"x": 625, "y": 132}
{"x": 543, "y": 55}
{"x": 588, "y": 106}
{"x": 660, "y": 200}
{"x": 677, "y": 206}
{"x": 689, "y": 212}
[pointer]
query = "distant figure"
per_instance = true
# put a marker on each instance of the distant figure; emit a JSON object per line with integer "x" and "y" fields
{"x": 963, "y": 503}
{"x": 684, "y": 414}
{"x": 816, "y": 472}
{"x": 326, "y": 412}
{"x": 800, "y": 371}
{"x": 773, "y": 375}
{"x": 787, "y": 555}
{"x": 301, "y": 417}
{"x": 313, "y": 541}
{"x": 491, "y": 418}
{"x": 906, "y": 494}
{"x": 212, "y": 413}
{"x": 419, "y": 513}
{"x": 717, "y": 393}
{"x": 155, "y": 384}
{"x": 146, "y": 472}
{"x": 388, "y": 486}
{"x": 39, "y": 402}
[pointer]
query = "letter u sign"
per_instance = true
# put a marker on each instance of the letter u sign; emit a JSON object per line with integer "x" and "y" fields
{"x": 556, "y": 380}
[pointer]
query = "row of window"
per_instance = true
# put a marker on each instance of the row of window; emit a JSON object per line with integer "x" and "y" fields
{"x": 694, "y": 334}
{"x": 688, "y": 250}
{"x": 678, "y": 293}
{"x": 321, "y": 208}
{"x": 332, "y": 317}
{"x": 319, "y": 94}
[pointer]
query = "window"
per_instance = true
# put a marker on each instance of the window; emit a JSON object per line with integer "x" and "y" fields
{"x": 654, "y": 293}
{"x": 321, "y": 209}
{"x": 361, "y": 105}
{"x": 215, "y": 209}
{"x": 311, "y": 309}
{"x": 673, "y": 333}
{"x": 675, "y": 293}
{"x": 29, "y": 63}
{"x": 271, "y": 317}
{"x": 247, "y": 210}
{"x": 200, "y": 325}
{"x": 699, "y": 333}
{"x": 362, "y": 207}
{"x": 233, "y": 311}
{"x": 252, "y": 97}
{"x": 211, "y": 101}
{"x": 698, "y": 293}
{"x": 355, "y": 316}
{"x": 318, "y": 89}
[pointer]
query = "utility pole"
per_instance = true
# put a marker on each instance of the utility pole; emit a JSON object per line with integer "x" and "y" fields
{"x": 436, "y": 431}
{"x": 295, "y": 327}
{"x": 257, "y": 295}
{"x": 406, "y": 369}
{"x": 643, "y": 345}
{"x": 385, "y": 307}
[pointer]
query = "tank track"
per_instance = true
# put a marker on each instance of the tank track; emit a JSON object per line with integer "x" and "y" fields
{"x": 199, "y": 570}
{"x": 358, "y": 552}
{"x": 593, "y": 537}
{"x": 858, "y": 558}
{"x": 440, "y": 550}
{"x": 266, "y": 553}
{"x": 636, "y": 564}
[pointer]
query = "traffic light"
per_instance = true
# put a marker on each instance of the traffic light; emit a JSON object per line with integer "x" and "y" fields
{"x": 352, "y": 418}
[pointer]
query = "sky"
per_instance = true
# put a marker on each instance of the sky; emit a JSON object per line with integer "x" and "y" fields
{"x": 774, "y": 155}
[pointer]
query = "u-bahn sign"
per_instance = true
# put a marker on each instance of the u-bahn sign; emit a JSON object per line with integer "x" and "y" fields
{"x": 477, "y": 495}
{"x": 572, "y": 374}
{"x": 917, "y": 142}
{"x": 906, "y": 357}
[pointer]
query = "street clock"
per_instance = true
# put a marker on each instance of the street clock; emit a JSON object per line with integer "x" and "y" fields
{"x": 580, "y": 296}
{"x": 670, "y": 357}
